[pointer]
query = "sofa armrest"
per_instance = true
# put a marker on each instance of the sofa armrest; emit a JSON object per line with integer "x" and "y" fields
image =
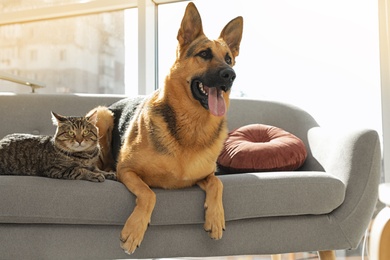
{"x": 354, "y": 157}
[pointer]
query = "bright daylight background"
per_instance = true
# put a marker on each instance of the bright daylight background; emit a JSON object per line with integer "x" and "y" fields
{"x": 322, "y": 56}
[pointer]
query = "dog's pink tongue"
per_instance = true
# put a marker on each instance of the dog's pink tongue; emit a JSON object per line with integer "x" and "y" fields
{"x": 216, "y": 102}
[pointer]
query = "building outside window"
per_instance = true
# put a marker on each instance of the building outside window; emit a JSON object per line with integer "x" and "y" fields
{"x": 78, "y": 54}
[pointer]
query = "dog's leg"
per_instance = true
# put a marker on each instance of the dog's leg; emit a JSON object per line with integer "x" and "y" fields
{"x": 136, "y": 225}
{"x": 214, "y": 216}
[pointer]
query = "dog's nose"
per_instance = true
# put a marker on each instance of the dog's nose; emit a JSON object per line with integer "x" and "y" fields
{"x": 228, "y": 75}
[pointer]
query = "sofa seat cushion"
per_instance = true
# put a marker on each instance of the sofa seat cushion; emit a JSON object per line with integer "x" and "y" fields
{"x": 259, "y": 147}
{"x": 27, "y": 199}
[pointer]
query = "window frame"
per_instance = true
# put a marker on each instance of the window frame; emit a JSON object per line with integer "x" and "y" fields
{"x": 147, "y": 29}
{"x": 65, "y": 10}
{"x": 384, "y": 34}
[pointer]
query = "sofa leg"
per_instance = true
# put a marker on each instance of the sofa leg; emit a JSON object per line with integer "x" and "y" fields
{"x": 327, "y": 255}
{"x": 380, "y": 235}
{"x": 276, "y": 257}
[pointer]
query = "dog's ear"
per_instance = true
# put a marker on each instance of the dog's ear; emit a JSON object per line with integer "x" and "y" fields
{"x": 232, "y": 34}
{"x": 191, "y": 26}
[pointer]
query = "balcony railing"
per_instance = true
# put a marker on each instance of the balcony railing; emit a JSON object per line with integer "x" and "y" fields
{"x": 33, "y": 84}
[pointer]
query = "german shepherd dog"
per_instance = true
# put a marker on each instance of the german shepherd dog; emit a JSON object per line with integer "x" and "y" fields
{"x": 172, "y": 138}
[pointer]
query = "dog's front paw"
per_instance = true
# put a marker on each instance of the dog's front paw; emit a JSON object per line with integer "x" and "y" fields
{"x": 132, "y": 234}
{"x": 215, "y": 222}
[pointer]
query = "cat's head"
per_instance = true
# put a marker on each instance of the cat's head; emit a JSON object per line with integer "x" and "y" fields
{"x": 76, "y": 134}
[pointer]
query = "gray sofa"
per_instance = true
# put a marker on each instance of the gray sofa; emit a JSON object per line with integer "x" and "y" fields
{"x": 325, "y": 205}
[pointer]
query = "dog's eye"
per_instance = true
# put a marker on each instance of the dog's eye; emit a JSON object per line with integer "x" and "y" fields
{"x": 228, "y": 59}
{"x": 206, "y": 54}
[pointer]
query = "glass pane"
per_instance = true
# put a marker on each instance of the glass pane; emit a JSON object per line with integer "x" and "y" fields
{"x": 83, "y": 54}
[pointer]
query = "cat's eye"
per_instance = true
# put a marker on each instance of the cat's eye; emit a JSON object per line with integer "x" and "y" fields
{"x": 70, "y": 133}
{"x": 85, "y": 132}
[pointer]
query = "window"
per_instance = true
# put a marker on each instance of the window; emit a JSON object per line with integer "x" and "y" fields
{"x": 76, "y": 50}
{"x": 86, "y": 47}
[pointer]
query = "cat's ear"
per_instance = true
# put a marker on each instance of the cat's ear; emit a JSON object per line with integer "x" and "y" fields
{"x": 57, "y": 118}
{"x": 92, "y": 117}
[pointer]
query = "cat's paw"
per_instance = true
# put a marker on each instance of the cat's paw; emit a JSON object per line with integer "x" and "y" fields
{"x": 110, "y": 176}
{"x": 96, "y": 177}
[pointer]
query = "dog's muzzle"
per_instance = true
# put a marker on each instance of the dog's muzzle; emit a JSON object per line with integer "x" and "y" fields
{"x": 208, "y": 89}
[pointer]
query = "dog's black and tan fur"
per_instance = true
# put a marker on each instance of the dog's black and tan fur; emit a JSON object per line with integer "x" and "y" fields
{"x": 175, "y": 136}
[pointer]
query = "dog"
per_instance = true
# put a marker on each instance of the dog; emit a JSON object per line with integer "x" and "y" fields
{"x": 172, "y": 138}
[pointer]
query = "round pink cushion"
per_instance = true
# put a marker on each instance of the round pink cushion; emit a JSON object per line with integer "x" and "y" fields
{"x": 259, "y": 147}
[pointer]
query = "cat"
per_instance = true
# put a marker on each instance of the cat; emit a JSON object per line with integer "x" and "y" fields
{"x": 72, "y": 153}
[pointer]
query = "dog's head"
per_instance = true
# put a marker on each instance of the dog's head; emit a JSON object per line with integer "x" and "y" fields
{"x": 207, "y": 64}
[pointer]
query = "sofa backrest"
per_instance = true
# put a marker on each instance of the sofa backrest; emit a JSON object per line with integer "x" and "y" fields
{"x": 30, "y": 113}
{"x": 288, "y": 117}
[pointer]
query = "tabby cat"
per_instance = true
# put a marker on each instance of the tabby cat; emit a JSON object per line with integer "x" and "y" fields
{"x": 72, "y": 153}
